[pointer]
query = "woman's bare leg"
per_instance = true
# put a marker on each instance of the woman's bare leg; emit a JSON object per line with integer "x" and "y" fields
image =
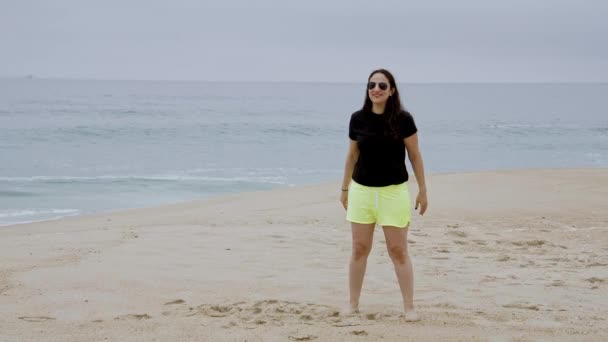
{"x": 363, "y": 235}
{"x": 396, "y": 244}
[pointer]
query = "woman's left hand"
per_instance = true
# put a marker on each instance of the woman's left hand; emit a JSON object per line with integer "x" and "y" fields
{"x": 421, "y": 202}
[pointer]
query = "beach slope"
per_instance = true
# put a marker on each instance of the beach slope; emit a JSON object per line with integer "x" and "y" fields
{"x": 507, "y": 255}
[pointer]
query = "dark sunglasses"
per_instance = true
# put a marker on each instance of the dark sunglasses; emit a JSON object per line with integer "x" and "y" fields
{"x": 382, "y": 85}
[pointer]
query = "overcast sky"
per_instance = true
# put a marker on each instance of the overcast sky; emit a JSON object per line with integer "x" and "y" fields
{"x": 307, "y": 40}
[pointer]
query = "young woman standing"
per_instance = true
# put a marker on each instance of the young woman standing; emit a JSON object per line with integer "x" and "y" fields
{"x": 374, "y": 188}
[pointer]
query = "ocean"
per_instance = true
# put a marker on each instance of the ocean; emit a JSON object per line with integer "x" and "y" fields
{"x": 73, "y": 147}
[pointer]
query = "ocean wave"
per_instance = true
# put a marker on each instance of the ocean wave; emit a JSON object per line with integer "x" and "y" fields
{"x": 557, "y": 125}
{"x": 37, "y": 212}
{"x": 293, "y": 130}
{"x": 134, "y": 178}
{"x": 259, "y": 170}
{"x": 11, "y": 193}
{"x": 603, "y": 130}
{"x": 532, "y": 126}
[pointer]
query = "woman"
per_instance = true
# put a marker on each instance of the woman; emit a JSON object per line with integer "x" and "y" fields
{"x": 374, "y": 189}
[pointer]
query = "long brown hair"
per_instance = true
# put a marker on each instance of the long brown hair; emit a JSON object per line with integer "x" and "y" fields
{"x": 393, "y": 104}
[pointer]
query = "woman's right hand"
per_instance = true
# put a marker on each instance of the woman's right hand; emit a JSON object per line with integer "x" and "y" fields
{"x": 344, "y": 199}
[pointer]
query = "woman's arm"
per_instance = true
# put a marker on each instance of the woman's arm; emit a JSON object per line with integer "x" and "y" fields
{"x": 351, "y": 158}
{"x": 413, "y": 152}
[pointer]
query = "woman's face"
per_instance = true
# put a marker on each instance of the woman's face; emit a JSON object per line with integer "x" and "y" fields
{"x": 381, "y": 90}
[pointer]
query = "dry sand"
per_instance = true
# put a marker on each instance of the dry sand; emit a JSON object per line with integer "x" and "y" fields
{"x": 500, "y": 256}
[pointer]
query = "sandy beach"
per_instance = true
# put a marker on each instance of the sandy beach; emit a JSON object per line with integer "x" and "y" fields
{"x": 500, "y": 256}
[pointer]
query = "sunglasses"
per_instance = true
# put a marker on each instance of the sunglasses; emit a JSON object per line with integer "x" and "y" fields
{"x": 381, "y": 85}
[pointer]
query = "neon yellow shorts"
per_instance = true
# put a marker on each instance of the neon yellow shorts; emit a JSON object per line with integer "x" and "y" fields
{"x": 385, "y": 205}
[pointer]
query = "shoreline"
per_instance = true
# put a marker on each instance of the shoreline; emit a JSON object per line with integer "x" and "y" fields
{"x": 287, "y": 186}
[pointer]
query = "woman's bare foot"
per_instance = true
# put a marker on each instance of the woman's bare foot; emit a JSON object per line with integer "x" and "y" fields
{"x": 411, "y": 316}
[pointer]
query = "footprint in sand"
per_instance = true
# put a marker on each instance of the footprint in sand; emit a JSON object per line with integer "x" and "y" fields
{"x": 445, "y": 306}
{"x": 557, "y": 283}
{"x": 229, "y": 325}
{"x": 36, "y": 318}
{"x": 130, "y": 234}
{"x": 558, "y": 259}
{"x": 303, "y": 338}
{"x": 503, "y": 258}
{"x": 359, "y": 332}
{"x": 526, "y": 306}
{"x": 179, "y": 307}
{"x": 138, "y": 317}
{"x": 594, "y": 280}
{"x": 217, "y": 310}
{"x": 457, "y": 233}
{"x": 534, "y": 243}
{"x": 278, "y": 313}
{"x": 488, "y": 279}
{"x": 527, "y": 264}
{"x": 269, "y": 310}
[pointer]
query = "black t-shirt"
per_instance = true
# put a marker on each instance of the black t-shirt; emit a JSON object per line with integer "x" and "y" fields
{"x": 381, "y": 157}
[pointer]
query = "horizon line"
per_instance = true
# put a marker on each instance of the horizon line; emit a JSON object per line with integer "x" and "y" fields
{"x": 55, "y": 78}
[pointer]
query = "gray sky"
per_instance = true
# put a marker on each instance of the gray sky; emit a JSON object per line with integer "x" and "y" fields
{"x": 307, "y": 40}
